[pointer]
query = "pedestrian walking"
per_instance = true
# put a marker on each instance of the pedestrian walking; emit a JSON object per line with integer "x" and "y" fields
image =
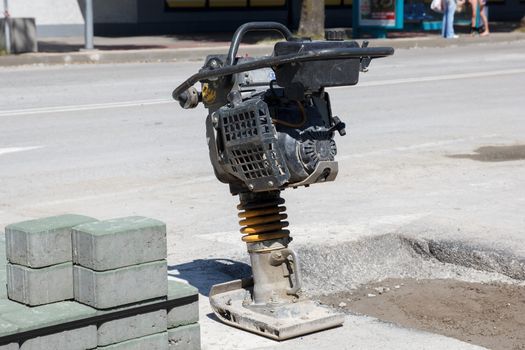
{"x": 447, "y": 28}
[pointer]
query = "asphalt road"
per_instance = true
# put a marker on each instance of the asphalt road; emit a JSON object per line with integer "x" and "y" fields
{"x": 107, "y": 141}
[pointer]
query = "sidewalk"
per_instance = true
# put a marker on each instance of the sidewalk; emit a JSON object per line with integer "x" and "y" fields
{"x": 187, "y": 47}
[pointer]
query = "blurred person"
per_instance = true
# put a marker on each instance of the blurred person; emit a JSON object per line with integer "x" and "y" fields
{"x": 447, "y": 28}
{"x": 478, "y": 9}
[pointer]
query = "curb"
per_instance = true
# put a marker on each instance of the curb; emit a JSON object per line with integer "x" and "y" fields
{"x": 193, "y": 54}
{"x": 125, "y": 56}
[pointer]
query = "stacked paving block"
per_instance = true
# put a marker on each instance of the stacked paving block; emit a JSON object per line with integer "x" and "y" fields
{"x": 118, "y": 263}
{"x": 40, "y": 270}
{"x": 183, "y": 327}
{"x": 31, "y": 318}
{"x": 75, "y": 283}
{"x": 3, "y": 263}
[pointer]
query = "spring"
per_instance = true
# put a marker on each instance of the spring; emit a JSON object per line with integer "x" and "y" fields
{"x": 262, "y": 220}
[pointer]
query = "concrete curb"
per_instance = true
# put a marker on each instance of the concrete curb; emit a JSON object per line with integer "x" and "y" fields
{"x": 124, "y": 56}
{"x": 192, "y": 54}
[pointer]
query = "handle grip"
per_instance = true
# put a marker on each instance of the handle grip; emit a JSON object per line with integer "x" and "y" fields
{"x": 254, "y": 26}
{"x": 275, "y": 61}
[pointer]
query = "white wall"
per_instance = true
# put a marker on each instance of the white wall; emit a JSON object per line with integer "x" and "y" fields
{"x": 47, "y": 11}
{"x": 53, "y": 17}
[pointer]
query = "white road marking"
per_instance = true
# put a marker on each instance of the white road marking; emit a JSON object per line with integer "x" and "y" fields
{"x": 17, "y": 149}
{"x": 88, "y": 107}
{"x": 111, "y": 105}
{"x": 442, "y": 77}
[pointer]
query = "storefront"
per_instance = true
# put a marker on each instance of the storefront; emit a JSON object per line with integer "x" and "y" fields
{"x": 146, "y": 17}
{"x": 201, "y": 16}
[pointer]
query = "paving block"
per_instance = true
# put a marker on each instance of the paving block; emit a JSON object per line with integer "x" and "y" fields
{"x": 75, "y": 339}
{"x": 42, "y": 242}
{"x": 157, "y": 341}
{"x": 30, "y": 318}
{"x": 40, "y": 286}
{"x": 7, "y": 306}
{"x": 108, "y": 289}
{"x": 3, "y": 281}
{"x": 185, "y": 337}
{"x": 7, "y": 328}
{"x": 2, "y": 249}
{"x": 184, "y": 314}
{"x": 112, "y": 244}
{"x": 132, "y": 327}
{"x": 3, "y": 262}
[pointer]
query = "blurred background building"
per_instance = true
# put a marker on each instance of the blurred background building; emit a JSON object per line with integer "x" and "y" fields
{"x": 148, "y": 17}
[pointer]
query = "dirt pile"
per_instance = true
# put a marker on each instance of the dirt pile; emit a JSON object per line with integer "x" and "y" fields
{"x": 490, "y": 315}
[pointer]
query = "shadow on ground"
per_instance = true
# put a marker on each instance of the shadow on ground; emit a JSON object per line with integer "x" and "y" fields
{"x": 204, "y": 273}
{"x": 159, "y": 42}
{"x": 56, "y": 46}
{"x": 495, "y": 154}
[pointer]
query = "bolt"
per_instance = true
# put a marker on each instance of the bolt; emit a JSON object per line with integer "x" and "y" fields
{"x": 251, "y": 187}
{"x": 215, "y": 120}
{"x": 270, "y": 183}
{"x": 214, "y": 64}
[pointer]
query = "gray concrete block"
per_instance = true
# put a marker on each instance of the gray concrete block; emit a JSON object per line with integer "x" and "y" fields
{"x": 29, "y": 318}
{"x": 23, "y": 35}
{"x": 185, "y": 337}
{"x": 40, "y": 286}
{"x": 3, "y": 280}
{"x": 75, "y": 339}
{"x": 108, "y": 289}
{"x": 12, "y": 346}
{"x": 7, "y": 306}
{"x": 42, "y": 242}
{"x": 184, "y": 314}
{"x": 2, "y": 248}
{"x": 7, "y": 328}
{"x": 117, "y": 331}
{"x": 157, "y": 341}
{"x": 112, "y": 244}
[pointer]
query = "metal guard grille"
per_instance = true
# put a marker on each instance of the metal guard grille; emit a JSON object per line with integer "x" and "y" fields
{"x": 250, "y": 145}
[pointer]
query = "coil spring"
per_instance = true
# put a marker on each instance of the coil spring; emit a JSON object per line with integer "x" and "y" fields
{"x": 262, "y": 220}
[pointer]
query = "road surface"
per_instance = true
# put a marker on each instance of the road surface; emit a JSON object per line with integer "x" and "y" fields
{"x": 107, "y": 141}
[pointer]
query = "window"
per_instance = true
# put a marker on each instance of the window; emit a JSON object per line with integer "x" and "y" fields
{"x": 211, "y": 4}
{"x": 338, "y": 3}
